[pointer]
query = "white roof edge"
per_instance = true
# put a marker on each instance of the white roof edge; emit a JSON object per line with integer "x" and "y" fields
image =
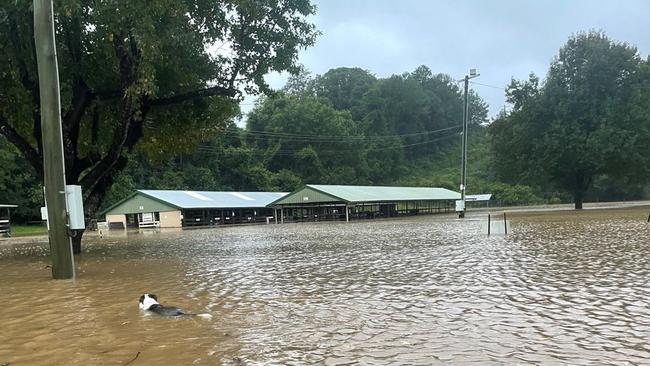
{"x": 479, "y": 197}
{"x": 184, "y": 199}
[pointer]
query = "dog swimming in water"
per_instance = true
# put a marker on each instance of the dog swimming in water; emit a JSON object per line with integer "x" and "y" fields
{"x": 149, "y": 302}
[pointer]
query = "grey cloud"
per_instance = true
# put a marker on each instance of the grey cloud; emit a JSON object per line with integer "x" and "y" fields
{"x": 503, "y": 39}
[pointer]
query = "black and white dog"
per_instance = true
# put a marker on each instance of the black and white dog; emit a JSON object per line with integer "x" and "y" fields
{"x": 149, "y": 302}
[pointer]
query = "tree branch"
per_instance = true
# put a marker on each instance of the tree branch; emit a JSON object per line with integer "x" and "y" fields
{"x": 86, "y": 162}
{"x": 97, "y": 192}
{"x": 21, "y": 45}
{"x": 106, "y": 94}
{"x": 94, "y": 129}
{"x": 21, "y": 143}
{"x": 127, "y": 66}
{"x": 71, "y": 122}
{"x": 196, "y": 94}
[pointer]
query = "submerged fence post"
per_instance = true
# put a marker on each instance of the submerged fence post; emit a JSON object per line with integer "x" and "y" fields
{"x": 505, "y": 224}
{"x": 489, "y": 225}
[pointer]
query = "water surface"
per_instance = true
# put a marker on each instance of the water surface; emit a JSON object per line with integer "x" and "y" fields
{"x": 563, "y": 288}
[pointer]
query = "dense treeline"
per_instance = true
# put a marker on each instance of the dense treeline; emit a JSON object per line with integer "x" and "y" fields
{"x": 343, "y": 127}
{"x": 582, "y": 133}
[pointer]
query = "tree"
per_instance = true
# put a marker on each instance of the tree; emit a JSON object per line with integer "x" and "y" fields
{"x": 306, "y": 135}
{"x": 398, "y": 106}
{"x": 582, "y": 122}
{"x": 18, "y": 184}
{"x": 512, "y": 135}
{"x": 344, "y": 88}
{"x": 159, "y": 75}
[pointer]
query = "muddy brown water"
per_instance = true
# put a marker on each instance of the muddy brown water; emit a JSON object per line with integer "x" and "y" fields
{"x": 563, "y": 288}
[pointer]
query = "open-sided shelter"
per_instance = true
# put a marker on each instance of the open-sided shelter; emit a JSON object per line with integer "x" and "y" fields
{"x": 5, "y": 219}
{"x": 315, "y": 202}
{"x": 175, "y": 209}
{"x": 479, "y": 198}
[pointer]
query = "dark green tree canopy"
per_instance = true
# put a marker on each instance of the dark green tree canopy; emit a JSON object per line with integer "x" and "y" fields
{"x": 346, "y": 126}
{"x": 308, "y": 136}
{"x": 580, "y": 123}
{"x": 158, "y": 75}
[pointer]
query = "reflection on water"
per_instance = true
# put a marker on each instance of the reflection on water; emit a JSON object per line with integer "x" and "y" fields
{"x": 563, "y": 288}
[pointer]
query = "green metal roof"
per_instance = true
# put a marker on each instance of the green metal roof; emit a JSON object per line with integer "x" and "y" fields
{"x": 315, "y": 193}
{"x": 168, "y": 200}
{"x": 139, "y": 202}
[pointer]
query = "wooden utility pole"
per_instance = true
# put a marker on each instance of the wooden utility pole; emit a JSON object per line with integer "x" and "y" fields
{"x": 463, "y": 164}
{"x": 463, "y": 148}
{"x": 53, "y": 163}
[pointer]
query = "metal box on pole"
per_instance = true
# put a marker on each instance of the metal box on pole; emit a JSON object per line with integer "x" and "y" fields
{"x": 74, "y": 201}
{"x": 460, "y": 206}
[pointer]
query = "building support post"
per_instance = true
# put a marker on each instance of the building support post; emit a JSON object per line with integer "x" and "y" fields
{"x": 53, "y": 162}
{"x": 347, "y": 213}
{"x": 282, "y": 214}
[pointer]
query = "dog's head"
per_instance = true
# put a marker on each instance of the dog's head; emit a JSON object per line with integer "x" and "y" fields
{"x": 146, "y": 300}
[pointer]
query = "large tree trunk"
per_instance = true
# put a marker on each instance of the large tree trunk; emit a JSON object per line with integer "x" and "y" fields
{"x": 578, "y": 197}
{"x": 582, "y": 183}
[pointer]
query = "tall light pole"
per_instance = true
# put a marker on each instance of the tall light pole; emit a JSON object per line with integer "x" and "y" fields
{"x": 463, "y": 165}
{"x": 53, "y": 165}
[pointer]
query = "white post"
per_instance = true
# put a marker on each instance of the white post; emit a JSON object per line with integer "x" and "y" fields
{"x": 282, "y": 214}
{"x": 275, "y": 214}
{"x": 347, "y": 217}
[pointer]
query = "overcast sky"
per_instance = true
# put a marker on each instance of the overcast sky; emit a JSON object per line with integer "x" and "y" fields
{"x": 502, "y": 39}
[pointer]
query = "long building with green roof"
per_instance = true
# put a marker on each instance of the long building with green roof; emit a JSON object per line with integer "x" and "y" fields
{"x": 316, "y": 202}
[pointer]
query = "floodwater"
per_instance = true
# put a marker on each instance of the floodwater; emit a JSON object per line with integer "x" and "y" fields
{"x": 562, "y": 288}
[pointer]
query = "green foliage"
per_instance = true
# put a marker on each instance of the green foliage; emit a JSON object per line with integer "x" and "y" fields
{"x": 582, "y": 123}
{"x": 582, "y": 133}
{"x": 158, "y": 77}
{"x": 18, "y": 184}
{"x": 511, "y": 195}
{"x": 344, "y": 127}
{"x": 344, "y": 88}
{"x": 308, "y": 136}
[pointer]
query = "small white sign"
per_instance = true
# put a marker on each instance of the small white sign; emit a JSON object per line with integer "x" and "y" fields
{"x": 460, "y": 206}
{"x": 44, "y": 217}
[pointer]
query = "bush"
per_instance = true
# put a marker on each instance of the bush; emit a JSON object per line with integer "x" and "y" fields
{"x": 512, "y": 194}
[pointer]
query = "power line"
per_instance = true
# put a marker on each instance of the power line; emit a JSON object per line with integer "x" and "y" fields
{"x": 488, "y": 85}
{"x": 296, "y": 137}
{"x": 284, "y": 152}
{"x": 290, "y": 134}
{"x": 334, "y": 139}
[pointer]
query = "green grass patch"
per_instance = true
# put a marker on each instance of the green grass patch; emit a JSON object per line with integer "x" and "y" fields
{"x": 28, "y": 230}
